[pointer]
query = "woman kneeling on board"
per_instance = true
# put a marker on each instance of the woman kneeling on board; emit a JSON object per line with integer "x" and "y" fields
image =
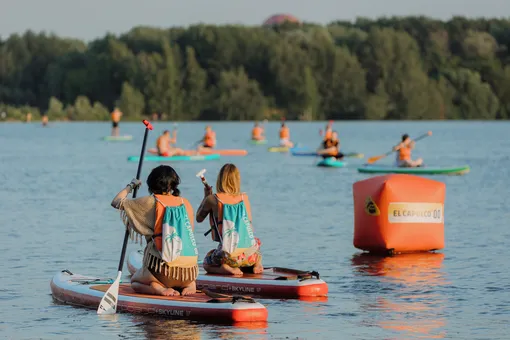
{"x": 404, "y": 153}
{"x": 229, "y": 213}
{"x": 170, "y": 260}
{"x": 331, "y": 147}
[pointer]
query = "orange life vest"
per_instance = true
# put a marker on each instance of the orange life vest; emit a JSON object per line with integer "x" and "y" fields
{"x": 160, "y": 213}
{"x": 256, "y": 132}
{"x": 284, "y": 132}
{"x": 115, "y": 116}
{"x": 209, "y": 138}
{"x": 405, "y": 153}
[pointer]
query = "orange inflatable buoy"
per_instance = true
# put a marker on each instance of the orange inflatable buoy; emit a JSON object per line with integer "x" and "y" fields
{"x": 398, "y": 214}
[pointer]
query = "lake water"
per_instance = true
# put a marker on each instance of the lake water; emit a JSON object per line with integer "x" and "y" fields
{"x": 58, "y": 182}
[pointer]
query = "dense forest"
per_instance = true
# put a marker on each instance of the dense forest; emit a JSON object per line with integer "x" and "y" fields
{"x": 389, "y": 68}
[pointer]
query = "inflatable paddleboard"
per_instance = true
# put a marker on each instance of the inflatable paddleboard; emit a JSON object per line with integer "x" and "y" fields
{"x": 332, "y": 162}
{"x": 224, "y": 152}
{"x": 174, "y": 158}
{"x": 285, "y": 149}
{"x": 118, "y": 138}
{"x": 85, "y": 291}
{"x": 258, "y": 142}
{"x": 274, "y": 282}
{"x": 381, "y": 169}
{"x": 314, "y": 154}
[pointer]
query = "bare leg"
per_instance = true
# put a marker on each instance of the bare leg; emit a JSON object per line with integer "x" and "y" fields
{"x": 223, "y": 270}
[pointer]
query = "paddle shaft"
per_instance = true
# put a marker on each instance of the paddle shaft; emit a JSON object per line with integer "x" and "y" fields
{"x": 135, "y": 191}
{"x": 215, "y": 223}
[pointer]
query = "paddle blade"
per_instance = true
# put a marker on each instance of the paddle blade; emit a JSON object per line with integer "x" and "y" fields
{"x": 375, "y": 159}
{"x": 148, "y": 125}
{"x": 108, "y": 303}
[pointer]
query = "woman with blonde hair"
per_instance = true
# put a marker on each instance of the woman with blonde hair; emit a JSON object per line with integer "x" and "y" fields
{"x": 229, "y": 214}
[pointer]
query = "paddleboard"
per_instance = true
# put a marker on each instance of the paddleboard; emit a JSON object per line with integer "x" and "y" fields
{"x": 314, "y": 154}
{"x": 174, "y": 158}
{"x": 83, "y": 291}
{"x": 381, "y": 169}
{"x": 285, "y": 149}
{"x": 258, "y": 142}
{"x": 118, "y": 138}
{"x": 332, "y": 162}
{"x": 224, "y": 152}
{"x": 274, "y": 282}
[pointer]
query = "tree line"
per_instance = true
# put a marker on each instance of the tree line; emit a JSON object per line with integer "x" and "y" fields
{"x": 389, "y": 68}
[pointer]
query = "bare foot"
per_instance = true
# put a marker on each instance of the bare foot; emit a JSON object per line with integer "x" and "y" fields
{"x": 258, "y": 268}
{"x": 190, "y": 289}
{"x": 169, "y": 292}
{"x": 236, "y": 272}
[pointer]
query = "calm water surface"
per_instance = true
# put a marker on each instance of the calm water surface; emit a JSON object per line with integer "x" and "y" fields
{"x": 57, "y": 184}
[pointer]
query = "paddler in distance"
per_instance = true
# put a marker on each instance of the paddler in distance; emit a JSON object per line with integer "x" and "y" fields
{"x": 404, "y": 153}
{"x": 165, "y": 219}
{"x": 209, "y": 140}
{"x": 285, "y": 136}
{"x": 331, "y": 147}
{"x": 257, "y": 133}
{"x": 44, "y": 120}
{"x": 165, "y": 145}
{"x": 229, "y": 210}
{"x": 115, "y": 117}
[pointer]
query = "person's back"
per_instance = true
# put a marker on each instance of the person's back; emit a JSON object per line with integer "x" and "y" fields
{"x": 166, "y": 221}
{"x": 115, "y": 117}
{"x": 163, "y": 144}
{"x": 285, "y": 136}
{"x": 257, "y": 133}
{"x": 229, "y": 210}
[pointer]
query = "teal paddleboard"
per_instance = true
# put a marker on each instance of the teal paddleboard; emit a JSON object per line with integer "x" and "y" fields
{"x": 258, "y": 142}
{"x": 332, "y": 162}
{"x": 117, "y": 138}
{"x": 380, "y": 169}
{"x": 312, "y": 153}
{"x": 174, "y": 158}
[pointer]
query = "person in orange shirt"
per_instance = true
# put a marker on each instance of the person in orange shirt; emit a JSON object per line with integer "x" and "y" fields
{"x": 285, "y": 136}
{"x": 403, "y": 149}
{"x": 115, "y": 116}
{"x": 209, "y": 140}
{"x": 257, "y": 133}
{"x": 44, "y": 120}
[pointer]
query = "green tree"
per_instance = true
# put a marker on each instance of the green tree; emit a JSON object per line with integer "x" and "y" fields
{"x": 194, "y": 86}
{"x": 131, "y": 101}
{"x": 239, "y": 98}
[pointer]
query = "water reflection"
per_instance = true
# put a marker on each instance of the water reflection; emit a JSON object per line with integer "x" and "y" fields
{"x": 402, "y": 294}
{"x": 157, "y": 328}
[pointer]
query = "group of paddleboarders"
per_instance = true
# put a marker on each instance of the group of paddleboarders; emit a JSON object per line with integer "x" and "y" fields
{"x": 165, "y": 144}
{"x": 166, "y": 220}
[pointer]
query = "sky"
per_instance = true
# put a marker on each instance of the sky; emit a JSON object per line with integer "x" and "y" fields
{"x": 90, "y": 19}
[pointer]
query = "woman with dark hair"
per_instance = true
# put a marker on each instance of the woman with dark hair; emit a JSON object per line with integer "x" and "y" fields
{"x": 404, "y": 149}
{"x": 166, "y": 221}
{"x": 230, "y": 208}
